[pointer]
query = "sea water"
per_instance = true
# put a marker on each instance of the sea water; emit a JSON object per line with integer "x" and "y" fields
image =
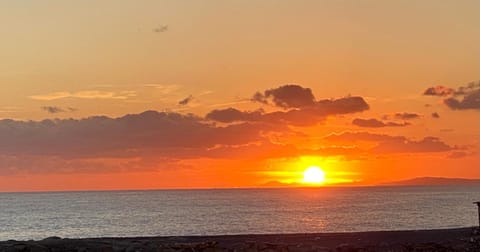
{"x": 234, "y": 211}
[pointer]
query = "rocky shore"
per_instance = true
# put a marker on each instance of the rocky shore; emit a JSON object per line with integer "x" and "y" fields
{"x": 464, "y": 239}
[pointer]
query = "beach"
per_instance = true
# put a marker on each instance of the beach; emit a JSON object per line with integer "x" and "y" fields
{"x": 461, "y": 239}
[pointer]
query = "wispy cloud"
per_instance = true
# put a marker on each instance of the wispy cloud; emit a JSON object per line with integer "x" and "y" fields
{"x": 9, "y": 109}
{"x": 186, "y": 101}
{"x": 375, "y": 123}
{"x": 163, "y": 89}
{"x": 56, "y": 110}
{"x": 160, "y": 29}
{"x": 85, "y": 94}
{"x": 230, "y": 103}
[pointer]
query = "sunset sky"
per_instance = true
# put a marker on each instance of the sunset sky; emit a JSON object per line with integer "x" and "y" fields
{"x": 115, "y": 94}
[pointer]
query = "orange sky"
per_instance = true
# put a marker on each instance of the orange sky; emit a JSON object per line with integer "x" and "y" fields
{"x": 370, "y": 91}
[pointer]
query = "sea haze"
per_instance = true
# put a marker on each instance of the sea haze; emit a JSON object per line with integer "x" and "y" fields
{"x": 234, "y": 211}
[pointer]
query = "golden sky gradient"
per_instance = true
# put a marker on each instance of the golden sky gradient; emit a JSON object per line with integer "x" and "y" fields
{"x": 343, "y": 85}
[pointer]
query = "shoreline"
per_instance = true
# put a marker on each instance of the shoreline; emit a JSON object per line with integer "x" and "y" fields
{"x": 456, "y": 239}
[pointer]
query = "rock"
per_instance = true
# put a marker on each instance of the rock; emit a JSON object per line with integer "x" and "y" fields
{"x": 118, "y": 249}
{"x": 20, "y": 247}
{"x": 213, "y": 249}
{"x": 300, "y": 248}
{"x": 346, "y": 248}
{"x": 53, "y": 238}
{"x": 135, "y": 248}
{"x": 321, "y": 249}
{"x": 38, "y": 248}
{"x": 8, "y": 249}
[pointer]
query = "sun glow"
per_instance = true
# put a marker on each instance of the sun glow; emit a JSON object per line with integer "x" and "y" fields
{"x": 313, "y": 175}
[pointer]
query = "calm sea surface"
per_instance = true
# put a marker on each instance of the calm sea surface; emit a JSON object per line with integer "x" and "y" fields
{"x": 211, "y": 212}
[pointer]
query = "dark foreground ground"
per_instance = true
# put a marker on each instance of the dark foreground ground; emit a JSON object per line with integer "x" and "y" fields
{"x": 464, "y": 239}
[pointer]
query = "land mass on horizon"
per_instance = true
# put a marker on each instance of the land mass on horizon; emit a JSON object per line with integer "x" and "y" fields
{"x": 418, "y": 181}
{"x": 434, "y": 181}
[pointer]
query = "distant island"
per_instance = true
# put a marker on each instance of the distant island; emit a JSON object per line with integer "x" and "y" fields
{"x": 434, "y": 181}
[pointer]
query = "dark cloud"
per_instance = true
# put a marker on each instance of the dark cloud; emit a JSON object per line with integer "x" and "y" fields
{"x": 439, "y": 91}
{"x": 230, "y": 115}
{"x": 374, "y": 123}
{"x": 305, "y": 116}
{"x": 302, "y": 107}
{"x": 393, "y": 144}
{"x": 406, "y": 116}
{"x": 467, "y": 89}
{"x": 152, "y": 131}
{"x": 427, "y": 144}
{"x": 297, "y": 97}
{"x": 435, "y": 115}
{"x": 55, "y": 109}
{"x": 52, "y": 109}
{"x": 287, "y": 96}
{"x": 470, "y": 100}
{"x": 463, "y": 98}
{"x": 186, "y": 101}
{"x": 345, "y": 105}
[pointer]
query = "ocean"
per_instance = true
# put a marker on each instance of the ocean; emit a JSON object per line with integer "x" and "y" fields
{"x": 26, "y": 216}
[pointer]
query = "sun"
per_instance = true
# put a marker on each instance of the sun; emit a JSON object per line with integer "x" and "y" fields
{"x": 313, "y": 175}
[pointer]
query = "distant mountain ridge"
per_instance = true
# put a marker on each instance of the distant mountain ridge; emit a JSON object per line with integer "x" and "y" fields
{"x": 435, "y": 181}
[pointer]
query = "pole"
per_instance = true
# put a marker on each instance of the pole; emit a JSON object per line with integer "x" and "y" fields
{"x": 478, "y": 206}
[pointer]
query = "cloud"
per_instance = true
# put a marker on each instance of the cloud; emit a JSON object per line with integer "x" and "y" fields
{"x": 85, "y": 94}
{"x": 287, "y": 96}
{"x": 439, "y": 91}
{"x": 435, "y": 115}
{"x": 345, "y": 105}
{"x": 470, "y": 100}
{"x": 9, "y": 109}
{"x": 458, "y": 154}
{"x": 161, "y": 140}
{"x": 52, "y": 109}
{"x": 362, "y": 136}
{"x": 186, "y": 101}
{"x": 34, "y": 164}
{"x": 374, "y": 123}
{"x": 406, "y": 116}
{"x": 463, "y": 98}
{"x": 149, "y": 140}
{"x": 427, "y": 144}
{"x": 447, "y": 130}
{"x": 163, "y": 89}
{"x": 393, "y": 144}
{"x": 305, "y": 116}
{"x": 55, "y": 109}
{"x": 160, "y": 29}
{"x": 230, "y": 115}
{"x": 300, "y": 108}
{"x": 151, "y": 131}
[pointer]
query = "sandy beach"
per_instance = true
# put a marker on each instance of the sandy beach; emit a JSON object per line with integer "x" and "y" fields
{"x": 462, "y": 239}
